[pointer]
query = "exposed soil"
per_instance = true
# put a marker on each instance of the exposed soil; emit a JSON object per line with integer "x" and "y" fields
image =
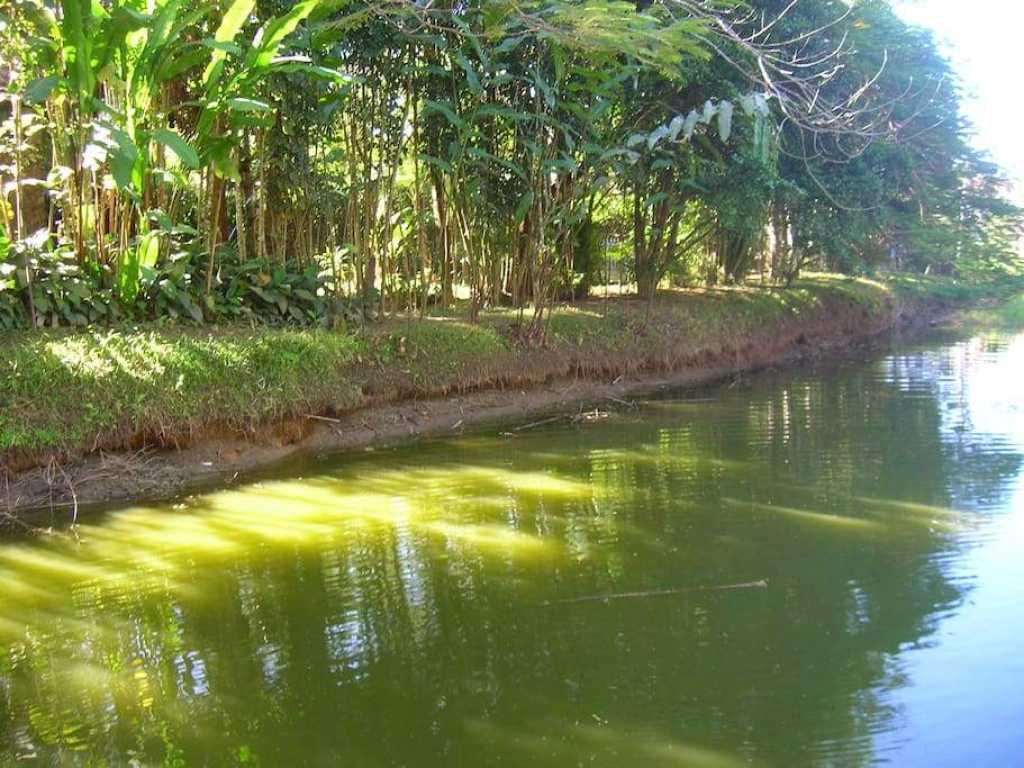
{"x": 56, "y": 493}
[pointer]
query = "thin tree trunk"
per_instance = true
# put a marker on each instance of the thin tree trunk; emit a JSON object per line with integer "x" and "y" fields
{"x": 19, "y": 214}
{"x": 261, "y": 200}
{"x": 214, "y": 203}
{"x": 240, "y": 226}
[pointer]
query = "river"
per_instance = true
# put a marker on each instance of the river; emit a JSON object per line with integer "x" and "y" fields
{"x": 839, "y": 553}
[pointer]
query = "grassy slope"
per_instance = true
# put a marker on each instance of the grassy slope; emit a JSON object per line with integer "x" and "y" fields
{"x": 66, "y": 394}
{"x": 1013, "y": 313}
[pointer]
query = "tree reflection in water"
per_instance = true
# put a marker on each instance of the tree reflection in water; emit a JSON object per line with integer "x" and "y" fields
{"x": 390, "y": 609}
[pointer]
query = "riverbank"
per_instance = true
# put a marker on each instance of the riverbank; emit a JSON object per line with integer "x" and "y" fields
{"x": 117, "y": 414}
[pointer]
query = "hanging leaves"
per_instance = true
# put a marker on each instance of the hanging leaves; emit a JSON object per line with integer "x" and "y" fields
{"x": 682, "y": 127}
{"x": 725, "y": 110}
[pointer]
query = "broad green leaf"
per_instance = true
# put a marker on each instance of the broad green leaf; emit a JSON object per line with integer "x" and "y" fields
{"x": 114, "y": 29}
{"x": 691, "y": 123}
{"x": 181, "y": 148}
{"x": 330, "y": 32}
{"x": 508, "y": 44}
{"x": 491, "y": 110}
{"x": 251, "y": 120}
{"x": 313, "y": 70}
{"x": 37, "y": 91}
{"x": 545, "y": 89}
{"x": 273, "y": 33}
{"x": 562, "y": 163}
{"x": 76, "y": 31}
{"x": 249, "y": 105}
{"x": 444, "y": 165}
{"x": 471, "y": 78}
{"x": 230, "y": 25}
{"x": 225, "y": 164}
{"x": 656, "y": 198}
{"x": 133, "y": 260}
{"x": 180, "y": 64}
{"x": 676, "y": 126}
{"x": 226, "y": 46}
{"x": 123, "y": 157}
{"x": 328, "y": 8}
{"x": 525, "y": 203}
{"x": 480, "y": 154}
{"x": 656, "y": 135}
{"x": 709, "y": 111}
{"x": 447, "y": 111}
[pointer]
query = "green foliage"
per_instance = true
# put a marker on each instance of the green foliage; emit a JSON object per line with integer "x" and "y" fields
{"x": 277, "y": 295}
{"x": 330, "y": 161}
{"x": 67, "y": 295}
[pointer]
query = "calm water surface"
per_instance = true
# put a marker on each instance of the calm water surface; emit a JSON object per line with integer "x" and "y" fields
{"x": 419, "y": 606}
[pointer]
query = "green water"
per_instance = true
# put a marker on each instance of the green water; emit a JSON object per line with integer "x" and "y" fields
{"x": 418, "y": 606}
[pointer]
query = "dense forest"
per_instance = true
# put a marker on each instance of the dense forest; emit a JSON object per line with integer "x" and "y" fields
{"x": 328, "y": 161}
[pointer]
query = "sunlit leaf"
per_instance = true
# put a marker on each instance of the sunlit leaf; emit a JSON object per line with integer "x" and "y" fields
{"x": 181, "y": 148}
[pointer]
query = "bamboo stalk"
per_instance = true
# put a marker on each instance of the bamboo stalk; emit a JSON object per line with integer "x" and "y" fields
{"x": 19, "y": 216}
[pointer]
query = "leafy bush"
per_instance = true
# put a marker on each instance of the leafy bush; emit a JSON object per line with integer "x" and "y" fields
{"x": 66, "y": 294}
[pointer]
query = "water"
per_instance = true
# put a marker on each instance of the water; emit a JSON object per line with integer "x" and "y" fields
{"x": 415, "y": 606}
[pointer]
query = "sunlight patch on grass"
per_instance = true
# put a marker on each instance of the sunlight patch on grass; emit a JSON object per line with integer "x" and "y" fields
{"x": 61, "y": 390}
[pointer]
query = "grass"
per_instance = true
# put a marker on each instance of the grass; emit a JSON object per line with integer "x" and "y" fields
{"x": 703, "y": 318}
{"x": 956, "y": 291}
{"x": 65, "y": 394}
{"x": 1007, "y": 315}
{"x": 1011, "y": 314}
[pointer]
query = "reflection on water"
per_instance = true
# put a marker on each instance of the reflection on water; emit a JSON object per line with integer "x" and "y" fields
{"x": 402, "y": 608}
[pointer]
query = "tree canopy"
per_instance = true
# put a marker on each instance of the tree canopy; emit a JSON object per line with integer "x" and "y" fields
{"x": 336, "y": 159}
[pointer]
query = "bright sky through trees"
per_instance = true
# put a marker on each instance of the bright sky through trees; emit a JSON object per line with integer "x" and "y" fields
{"x": 982, "y": 38}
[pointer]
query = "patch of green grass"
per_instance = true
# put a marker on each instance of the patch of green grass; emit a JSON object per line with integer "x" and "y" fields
{"x": 611, "y": 329}
{"x": 61, "y": 391}
{"x": 446, "y": 339}
{"x": 1011, "y": 314}
{"x": 435, "y": 354}
{"x": 1008, "y": 316}
{"x": 870, "y": 294}
{"x": 954, "y": 290}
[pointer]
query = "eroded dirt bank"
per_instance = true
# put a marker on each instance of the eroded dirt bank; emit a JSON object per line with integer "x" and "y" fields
{"x": 393, "y": 407}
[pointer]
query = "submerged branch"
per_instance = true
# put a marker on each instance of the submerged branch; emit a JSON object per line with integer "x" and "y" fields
{"x": 760, "y": 584}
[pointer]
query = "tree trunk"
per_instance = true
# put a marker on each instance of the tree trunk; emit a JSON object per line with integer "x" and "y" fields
{"x": 19, "y": 214}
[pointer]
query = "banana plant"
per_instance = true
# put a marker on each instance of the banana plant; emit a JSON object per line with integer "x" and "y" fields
{"x": 106, "y": 67}
{"x": 232, "y": 85}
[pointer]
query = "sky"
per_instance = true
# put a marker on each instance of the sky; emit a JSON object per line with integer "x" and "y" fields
{"x": 983, "y": 40}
